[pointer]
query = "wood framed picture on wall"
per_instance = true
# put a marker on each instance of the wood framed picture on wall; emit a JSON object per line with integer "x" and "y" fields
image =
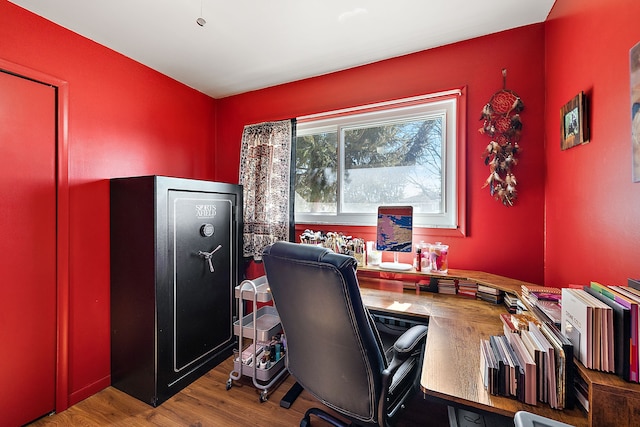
{"x": 573, "y": 122}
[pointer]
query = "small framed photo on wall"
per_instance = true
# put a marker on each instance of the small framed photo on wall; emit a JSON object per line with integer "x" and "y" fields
{"x": 634, "y": 60}
{"x": 573, "y": 123}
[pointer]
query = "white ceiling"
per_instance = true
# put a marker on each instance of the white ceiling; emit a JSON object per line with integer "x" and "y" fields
{"x": 253, "y": 44}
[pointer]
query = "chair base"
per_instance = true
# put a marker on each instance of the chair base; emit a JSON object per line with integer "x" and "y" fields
{"x": 306, "y": 421}
{"x": 291, "y": 395}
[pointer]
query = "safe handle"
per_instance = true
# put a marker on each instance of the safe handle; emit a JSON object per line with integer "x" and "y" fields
{"x": 207, "y": 256}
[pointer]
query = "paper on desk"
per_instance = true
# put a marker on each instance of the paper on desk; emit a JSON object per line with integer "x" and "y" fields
{"x": 397, "y": 306}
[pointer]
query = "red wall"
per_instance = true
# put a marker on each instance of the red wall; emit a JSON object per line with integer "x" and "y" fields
{"x": 592, "y": 206}
{"x": 506, "y": 241}
{"x": 124, "y": 119}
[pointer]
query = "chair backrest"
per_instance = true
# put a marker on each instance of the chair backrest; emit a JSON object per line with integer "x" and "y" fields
{"x": 333, "y": 350}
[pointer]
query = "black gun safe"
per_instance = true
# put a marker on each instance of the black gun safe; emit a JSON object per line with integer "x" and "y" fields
{"x": 174, "y": 264}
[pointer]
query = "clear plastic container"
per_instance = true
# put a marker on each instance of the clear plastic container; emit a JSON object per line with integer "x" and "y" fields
{"x": 424, "y": 259}
{"x": 374, "y": 257}
{"x": 439, "y": 257}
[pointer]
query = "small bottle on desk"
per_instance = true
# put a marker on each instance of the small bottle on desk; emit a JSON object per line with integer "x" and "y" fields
{"x": 418, "y": 262}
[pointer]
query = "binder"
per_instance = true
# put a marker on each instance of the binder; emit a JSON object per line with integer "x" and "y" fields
{"x": 493, "y": 369}
{"x": 514, "y": 367}
{"x": 577, "y": 323}
{"x": 633, "y": 306}
{"x": 603, "y": 336}
{"x": 488, "y": 366}
{"x": 502, "y": 389}
{"x": 535, "y": 350}
{"x": 622, "y": 333}
{"x": 527, "y": 387}
{"x": 566, "y": 370}
{"x": 549, "y": 382}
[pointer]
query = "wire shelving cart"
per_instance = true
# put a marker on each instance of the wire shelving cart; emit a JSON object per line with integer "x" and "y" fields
{"x": 258, "y": 327}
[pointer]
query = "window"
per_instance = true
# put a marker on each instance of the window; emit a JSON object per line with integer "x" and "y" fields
{"x": 398, "y": 153}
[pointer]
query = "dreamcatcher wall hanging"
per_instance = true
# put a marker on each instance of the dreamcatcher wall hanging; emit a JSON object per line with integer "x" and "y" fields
{"x": 502, "y": 124}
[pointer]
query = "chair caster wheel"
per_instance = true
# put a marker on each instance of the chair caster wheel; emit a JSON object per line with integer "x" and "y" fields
{"x": 229, "y": 383}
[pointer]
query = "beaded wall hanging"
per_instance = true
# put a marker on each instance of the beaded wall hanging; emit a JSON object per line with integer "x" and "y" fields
{"x": 501, "y": 123}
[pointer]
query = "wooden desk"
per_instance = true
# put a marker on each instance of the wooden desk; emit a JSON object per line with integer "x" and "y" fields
{"x": 451, "y": 369}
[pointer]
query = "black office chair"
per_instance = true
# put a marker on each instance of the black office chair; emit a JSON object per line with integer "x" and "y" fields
{"x": 333, "y": 348}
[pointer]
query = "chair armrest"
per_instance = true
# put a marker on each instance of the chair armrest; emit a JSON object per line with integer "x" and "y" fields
{"x": 405, "y": 349}
{"x": 407, "y": 344}
{"x": 410, "y": 339}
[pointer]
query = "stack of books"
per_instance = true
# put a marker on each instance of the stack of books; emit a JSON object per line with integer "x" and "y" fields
{"x": 489, "y": 294}
{"x": 508, "y": 369}
{"x": 533, "y": 361}
{"x": 544, "y": 294}
{"x": 541, "y": 292}
{"x": 467, "y": 288}
{"x": 447, "y": 286}
{"x": 624, "y": 302}
{"x": 511, "y": 302}
{"x": 551, "y": 310}
{"x": 543, "y": 302}
{"x": 588, "y": 323}
{"x": 555, "y": 352}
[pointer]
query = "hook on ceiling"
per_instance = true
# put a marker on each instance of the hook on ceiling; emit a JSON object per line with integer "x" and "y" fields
{"x": 201, "y": 21}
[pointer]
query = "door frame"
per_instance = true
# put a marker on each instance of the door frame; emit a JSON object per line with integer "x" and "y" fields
{"x": 62, "y": 223}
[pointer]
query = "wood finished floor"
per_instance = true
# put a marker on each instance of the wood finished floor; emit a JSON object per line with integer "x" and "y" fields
{"x": 207, "y": 403}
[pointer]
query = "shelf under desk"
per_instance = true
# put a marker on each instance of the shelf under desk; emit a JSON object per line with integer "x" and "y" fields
{"x": 451, "y": 368}
{"x": 500, "y": 282}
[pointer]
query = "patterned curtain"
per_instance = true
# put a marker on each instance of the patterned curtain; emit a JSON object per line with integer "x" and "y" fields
{"x": 265, "y": 165}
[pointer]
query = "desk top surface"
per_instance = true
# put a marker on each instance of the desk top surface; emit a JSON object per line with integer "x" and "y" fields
{"x": 451, "y": 369}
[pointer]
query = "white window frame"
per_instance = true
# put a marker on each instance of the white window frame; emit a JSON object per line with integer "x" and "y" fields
{"x": 445, "y": 104}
